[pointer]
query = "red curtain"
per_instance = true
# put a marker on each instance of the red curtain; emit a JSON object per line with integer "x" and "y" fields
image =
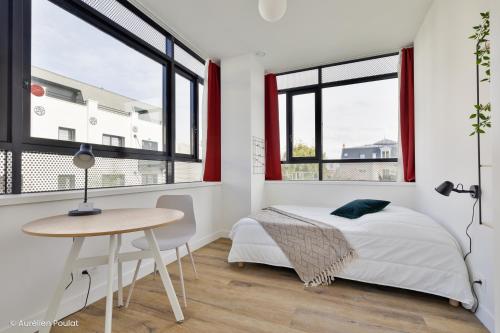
{"x": 407, "y": 114}
{"x": 272, "y": 129}
{"x": 213, "y": 155}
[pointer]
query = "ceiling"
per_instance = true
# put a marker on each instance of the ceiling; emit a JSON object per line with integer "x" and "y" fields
{"x": 312, "y": 32}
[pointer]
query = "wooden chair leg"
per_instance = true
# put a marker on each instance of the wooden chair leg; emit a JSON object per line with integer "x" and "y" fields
{"x": 241, "y": 264}
{"x": 129, "y": 296}
{"x": 192, "y": 261}
{"x": 454, "y": 303}
{"x": 181, "y": 276}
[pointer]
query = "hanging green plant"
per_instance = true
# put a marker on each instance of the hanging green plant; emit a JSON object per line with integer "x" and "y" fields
{"x": 482, "y": 113}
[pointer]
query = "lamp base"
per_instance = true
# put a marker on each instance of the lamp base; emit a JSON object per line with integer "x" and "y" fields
{"x": 85, "y": 208}
{"x": 475, "y": 191}
{"x": 77, "y": 212}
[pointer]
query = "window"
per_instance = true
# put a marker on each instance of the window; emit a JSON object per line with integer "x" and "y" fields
{"x": 113, "y": 140}
{"x": 66, "y": 182}
{"x": 333, "y": 116}
{"x": 303, "y": 125}
{"x": 184, "y": 109}
{"x": 148, "y": 179}
{"x": 66, "y": 134}
{"x": 113, "y": 180}
{"x": 149, "y": 145}
{"x": 98, "y": 72}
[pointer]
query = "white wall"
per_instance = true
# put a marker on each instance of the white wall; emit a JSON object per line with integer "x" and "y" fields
{"x": 445, "y": 95}
{"x": 31, "y": 266}
{"x": 242, "y": 113}
{"x": 335, "y": 194}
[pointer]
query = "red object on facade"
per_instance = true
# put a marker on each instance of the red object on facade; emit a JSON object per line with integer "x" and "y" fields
{"x": 272, "y": 129}
{"x": 407, "y": 114}
{"x": 213, "y": 156}
{"x": 37, "y": 90}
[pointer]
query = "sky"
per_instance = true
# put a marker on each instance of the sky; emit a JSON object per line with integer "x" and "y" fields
{"x": 64, "y": 44}
{"x": 353, "y": 115}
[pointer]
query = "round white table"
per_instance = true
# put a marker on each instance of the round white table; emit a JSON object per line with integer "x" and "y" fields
{"x": 112, "y": 223}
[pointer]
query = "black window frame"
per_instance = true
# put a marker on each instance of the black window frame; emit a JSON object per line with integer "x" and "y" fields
{"x": 318, "y": 90}
{"x": 15, "y": 83}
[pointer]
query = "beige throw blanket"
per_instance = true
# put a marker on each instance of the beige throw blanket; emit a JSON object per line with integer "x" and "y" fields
{"x": 316, "y": 250}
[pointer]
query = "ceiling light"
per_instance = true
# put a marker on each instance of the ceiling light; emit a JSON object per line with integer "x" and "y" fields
{"x": 272, "y": 10}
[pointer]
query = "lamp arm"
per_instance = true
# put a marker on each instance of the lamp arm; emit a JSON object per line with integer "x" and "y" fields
{"x": 462, "y": 191}
{"x": 85, "y": 191}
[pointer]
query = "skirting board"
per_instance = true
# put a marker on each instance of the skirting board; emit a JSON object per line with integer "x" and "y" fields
{"x": 98, "y": 291}
{"x": 486, "y": 318}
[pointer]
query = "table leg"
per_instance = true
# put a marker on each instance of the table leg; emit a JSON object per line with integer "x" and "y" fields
{"x": 165, "y": 278}
{"x": 56, "y": 298}
{"x": 109, "y": 296}
{"x": 120, "y": 273}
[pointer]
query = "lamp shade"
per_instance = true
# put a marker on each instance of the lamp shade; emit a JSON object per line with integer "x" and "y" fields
{"x": 445, "y": 188}
{"x": 84, "y": 158}
{"x": 272, "y": 10}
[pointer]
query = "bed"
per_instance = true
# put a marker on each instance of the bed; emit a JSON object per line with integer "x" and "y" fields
{"x": 396, "y": 247}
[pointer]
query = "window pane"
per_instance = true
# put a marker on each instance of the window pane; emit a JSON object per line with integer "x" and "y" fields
{"x": 86, "y": 80}
{"x": 360, "y": 121}
{"x": 187, "y": 172}
{"x": 303, "y": 123}
{"x": 282, "y": 120}
{"x": 298, "y": 79}
{"x": 51, "y": 172}
{"x": 300, "y": 171}
{"x": 183, "y": 107}
{"x": 190, "y": 62}
{"x": 367, "y": 171}
{"x": 354, "y": 70}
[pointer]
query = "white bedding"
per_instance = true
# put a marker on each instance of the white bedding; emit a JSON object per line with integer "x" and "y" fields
{"x": 397, "y": 247}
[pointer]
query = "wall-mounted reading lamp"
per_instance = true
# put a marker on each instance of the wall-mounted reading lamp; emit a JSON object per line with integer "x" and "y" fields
{"x": 447, "y": 187}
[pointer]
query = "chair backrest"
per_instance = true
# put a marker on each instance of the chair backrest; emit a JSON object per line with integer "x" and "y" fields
{"x": 184, "y": 203}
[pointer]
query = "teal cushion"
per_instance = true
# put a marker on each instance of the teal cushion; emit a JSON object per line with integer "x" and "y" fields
{"x": 360, "y": 207}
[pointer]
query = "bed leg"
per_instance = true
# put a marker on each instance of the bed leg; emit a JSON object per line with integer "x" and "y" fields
{"x": 241, "y": 264}
{"x": 454, "y": 303}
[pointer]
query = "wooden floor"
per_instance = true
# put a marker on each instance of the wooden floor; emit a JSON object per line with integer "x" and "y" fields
{"x": 263, "y": 299}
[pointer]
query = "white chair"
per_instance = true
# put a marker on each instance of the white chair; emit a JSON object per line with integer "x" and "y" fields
{"x": 172, "y": 236}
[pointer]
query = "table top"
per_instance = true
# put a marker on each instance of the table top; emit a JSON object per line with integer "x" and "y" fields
{"x": 109, "y": 222}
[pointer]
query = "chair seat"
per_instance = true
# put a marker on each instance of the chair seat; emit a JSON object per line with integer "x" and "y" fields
{"x": 164, "y": 244}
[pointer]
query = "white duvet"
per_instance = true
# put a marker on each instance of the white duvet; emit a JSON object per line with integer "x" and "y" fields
{"x": 397, "y": 247}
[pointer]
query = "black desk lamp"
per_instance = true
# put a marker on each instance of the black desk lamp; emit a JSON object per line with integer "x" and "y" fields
{"x": 447, "y": 187}
{"x": 84, "y": 159}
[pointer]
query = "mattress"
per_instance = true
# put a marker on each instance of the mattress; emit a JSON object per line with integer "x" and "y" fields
{"x": 396, "y": 247}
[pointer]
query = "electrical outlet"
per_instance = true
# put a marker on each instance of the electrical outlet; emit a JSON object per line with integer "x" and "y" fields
{"x": 80, "y": 275}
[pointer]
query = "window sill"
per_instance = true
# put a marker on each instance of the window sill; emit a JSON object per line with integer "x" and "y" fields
{"x": 339, "y": 182}
{"x": 28, "y": 198}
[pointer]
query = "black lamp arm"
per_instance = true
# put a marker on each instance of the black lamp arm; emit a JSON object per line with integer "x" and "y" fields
{"x": 474, "y": 190}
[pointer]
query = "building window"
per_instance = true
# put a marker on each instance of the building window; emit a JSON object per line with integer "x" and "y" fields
{"x": 149, "y": 179}
{"x": 113, "y": 180}
{"x": 149, "y": 145}
{"x": 66, "y": 134}
{"x": 340, "y": 121}
{"x": 65, "y": 182}
{"x": 113, "y": 140}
